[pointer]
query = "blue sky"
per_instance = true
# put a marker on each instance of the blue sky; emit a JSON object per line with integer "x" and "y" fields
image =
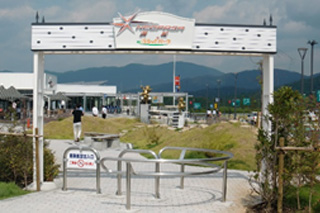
{"x": 297, "y": 22}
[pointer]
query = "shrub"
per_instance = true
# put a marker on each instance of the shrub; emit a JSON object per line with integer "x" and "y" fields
{"x": 289, "y": 120}
{"x": 16, "y": 159}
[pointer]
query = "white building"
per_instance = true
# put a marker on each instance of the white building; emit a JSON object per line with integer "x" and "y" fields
{"x": 87, "y": 95}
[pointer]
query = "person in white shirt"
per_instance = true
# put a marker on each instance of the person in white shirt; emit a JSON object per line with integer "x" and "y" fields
{"x": 95, "y": 111}
{"x": 104, "y": 112}
{"x": 214, "y": 113}
{"x": 208, "y": 113}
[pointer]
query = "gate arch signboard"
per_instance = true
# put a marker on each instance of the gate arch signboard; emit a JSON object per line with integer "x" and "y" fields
{"x": 149, "y": 33}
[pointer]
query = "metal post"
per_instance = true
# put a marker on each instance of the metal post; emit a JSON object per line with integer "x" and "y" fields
{"x": 182, "y": 177}
{"x": 174, "y": 77}
{"x": 235, "y": 96}
{"x": 281, "y": 167}
{"x": 187, "y": 103}
{"x": 219, "y": 82}
{"x": 64, "y": 186}
{"x": 157, "y": 181}
{"x": 224, "y": 184}
{"x": 98, "y": 177}
{"x": 128, "y": 205}
{"x": 38, "y": 72}
{"x": 267, "y": 90}
{"x": 312, "y": 43}
{"x": 207, "y": 106}
{"x": 302, "y": 52}
{"x": 119, "y": 176}
{"x": 37, "y": 159}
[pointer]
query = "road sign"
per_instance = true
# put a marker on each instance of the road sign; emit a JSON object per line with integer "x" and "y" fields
{"x": 215, "y": 105}
{"x": 197, "y": 105}
{"x": 237, "y": 102}
{"x": 246, "y": 101}
{"x": 318, "y": 96}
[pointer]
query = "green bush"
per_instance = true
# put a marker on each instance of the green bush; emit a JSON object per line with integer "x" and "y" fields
{"x": 16, "y": 160}
{"x": 51, "y": 169}
{"x": 289, "y": 118}
{"x": 16, "y": 156}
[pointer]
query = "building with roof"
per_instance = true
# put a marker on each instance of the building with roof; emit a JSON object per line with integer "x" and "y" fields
{"x": 55, "y": 93}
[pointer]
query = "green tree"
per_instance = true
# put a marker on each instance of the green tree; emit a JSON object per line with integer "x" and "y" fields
{"x": 288, "y": 115}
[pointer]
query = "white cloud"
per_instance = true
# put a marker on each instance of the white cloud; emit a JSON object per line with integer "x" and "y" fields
{"x": 216, "y": 12}
{"x": 16, "y": 13}
{"x": 159, "y": 8}
{"x": 294, "y": 27}
{"x": 84, "y": 11}
{"x": 98, "y": 11}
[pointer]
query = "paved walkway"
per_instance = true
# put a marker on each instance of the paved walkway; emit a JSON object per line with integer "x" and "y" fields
{"x": 201, "y": 194}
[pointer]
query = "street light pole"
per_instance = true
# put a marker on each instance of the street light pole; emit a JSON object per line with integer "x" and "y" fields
{"x": 207, "y": 96}
{"x": 302, "y": 52}
{"x": 219, "y": 82}
{"x": 235, "y": 96}
{"x": 312, "y": 43}
{"x": 174, "y": 77}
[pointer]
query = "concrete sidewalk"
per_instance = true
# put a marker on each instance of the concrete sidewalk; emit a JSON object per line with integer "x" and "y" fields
{"x": 201, "y": 194}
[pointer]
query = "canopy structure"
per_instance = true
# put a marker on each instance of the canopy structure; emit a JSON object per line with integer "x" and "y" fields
{"x": 57, "y": 97}
{"x": 150, "y": 33}
{"x": 11, "y": 94}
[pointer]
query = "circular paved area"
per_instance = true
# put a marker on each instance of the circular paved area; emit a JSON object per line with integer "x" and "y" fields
{"x": 200, "y": 194}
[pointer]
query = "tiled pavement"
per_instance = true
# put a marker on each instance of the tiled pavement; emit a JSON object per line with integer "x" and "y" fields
{"x": 200, "y": 194}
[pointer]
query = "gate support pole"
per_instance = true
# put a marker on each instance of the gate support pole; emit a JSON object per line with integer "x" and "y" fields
{"x": 38, "y": 103}
{"x": 268, "y": 78}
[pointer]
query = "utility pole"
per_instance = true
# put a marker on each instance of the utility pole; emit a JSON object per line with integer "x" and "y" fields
{"x": 235, "y": 96}
{"x": 207, "y": 95}
{"x": 302, "y": 52}
{"x": 219, "y": 82}
{"x": 174, "y": 76}
{"x": 312, "y": 43}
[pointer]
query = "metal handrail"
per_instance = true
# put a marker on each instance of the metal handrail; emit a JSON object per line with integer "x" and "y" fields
{"x": 157, "y": 173}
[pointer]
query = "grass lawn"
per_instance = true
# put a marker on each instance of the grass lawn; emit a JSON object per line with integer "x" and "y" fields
{"x": 291, "y": 201}
{"x": 222, "y": 136}
{"x": 63, "y": 129}
{"x": 10, "y": 190}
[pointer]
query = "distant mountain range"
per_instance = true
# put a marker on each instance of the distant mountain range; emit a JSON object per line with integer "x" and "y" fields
{"x": 195, "y": 79}
{"x": 130, "y": 77}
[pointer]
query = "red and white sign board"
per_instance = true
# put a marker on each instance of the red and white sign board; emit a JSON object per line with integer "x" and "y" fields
{"x": 153, "y": 30}
{"x": 77, "y": 159}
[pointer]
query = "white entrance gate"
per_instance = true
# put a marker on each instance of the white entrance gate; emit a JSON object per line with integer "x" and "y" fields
{"x": 149, "y": 33}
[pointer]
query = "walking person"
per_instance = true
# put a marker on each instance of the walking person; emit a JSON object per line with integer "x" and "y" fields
{"x": 95, "y": 111}
{"x": 104, "y": 112}
{"x": 77, "y": 113}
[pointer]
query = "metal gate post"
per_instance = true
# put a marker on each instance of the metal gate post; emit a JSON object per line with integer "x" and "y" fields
{"x": 224, "y": 184}
{"x": 128, "y": 205}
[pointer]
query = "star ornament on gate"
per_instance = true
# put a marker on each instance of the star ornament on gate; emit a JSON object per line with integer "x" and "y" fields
{"x": 126, "y": 23}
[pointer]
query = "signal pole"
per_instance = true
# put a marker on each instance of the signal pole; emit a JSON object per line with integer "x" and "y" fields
{"x": 312, "y": 43}
{"x": 235, "y": 96}
{"x": 174, "y": 76}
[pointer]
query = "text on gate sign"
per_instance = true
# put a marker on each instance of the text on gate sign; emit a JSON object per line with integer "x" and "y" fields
{"x": 81, "y": 156}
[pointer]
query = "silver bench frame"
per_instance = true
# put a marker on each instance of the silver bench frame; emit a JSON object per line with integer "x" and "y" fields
{"x": 158, "y": 160}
